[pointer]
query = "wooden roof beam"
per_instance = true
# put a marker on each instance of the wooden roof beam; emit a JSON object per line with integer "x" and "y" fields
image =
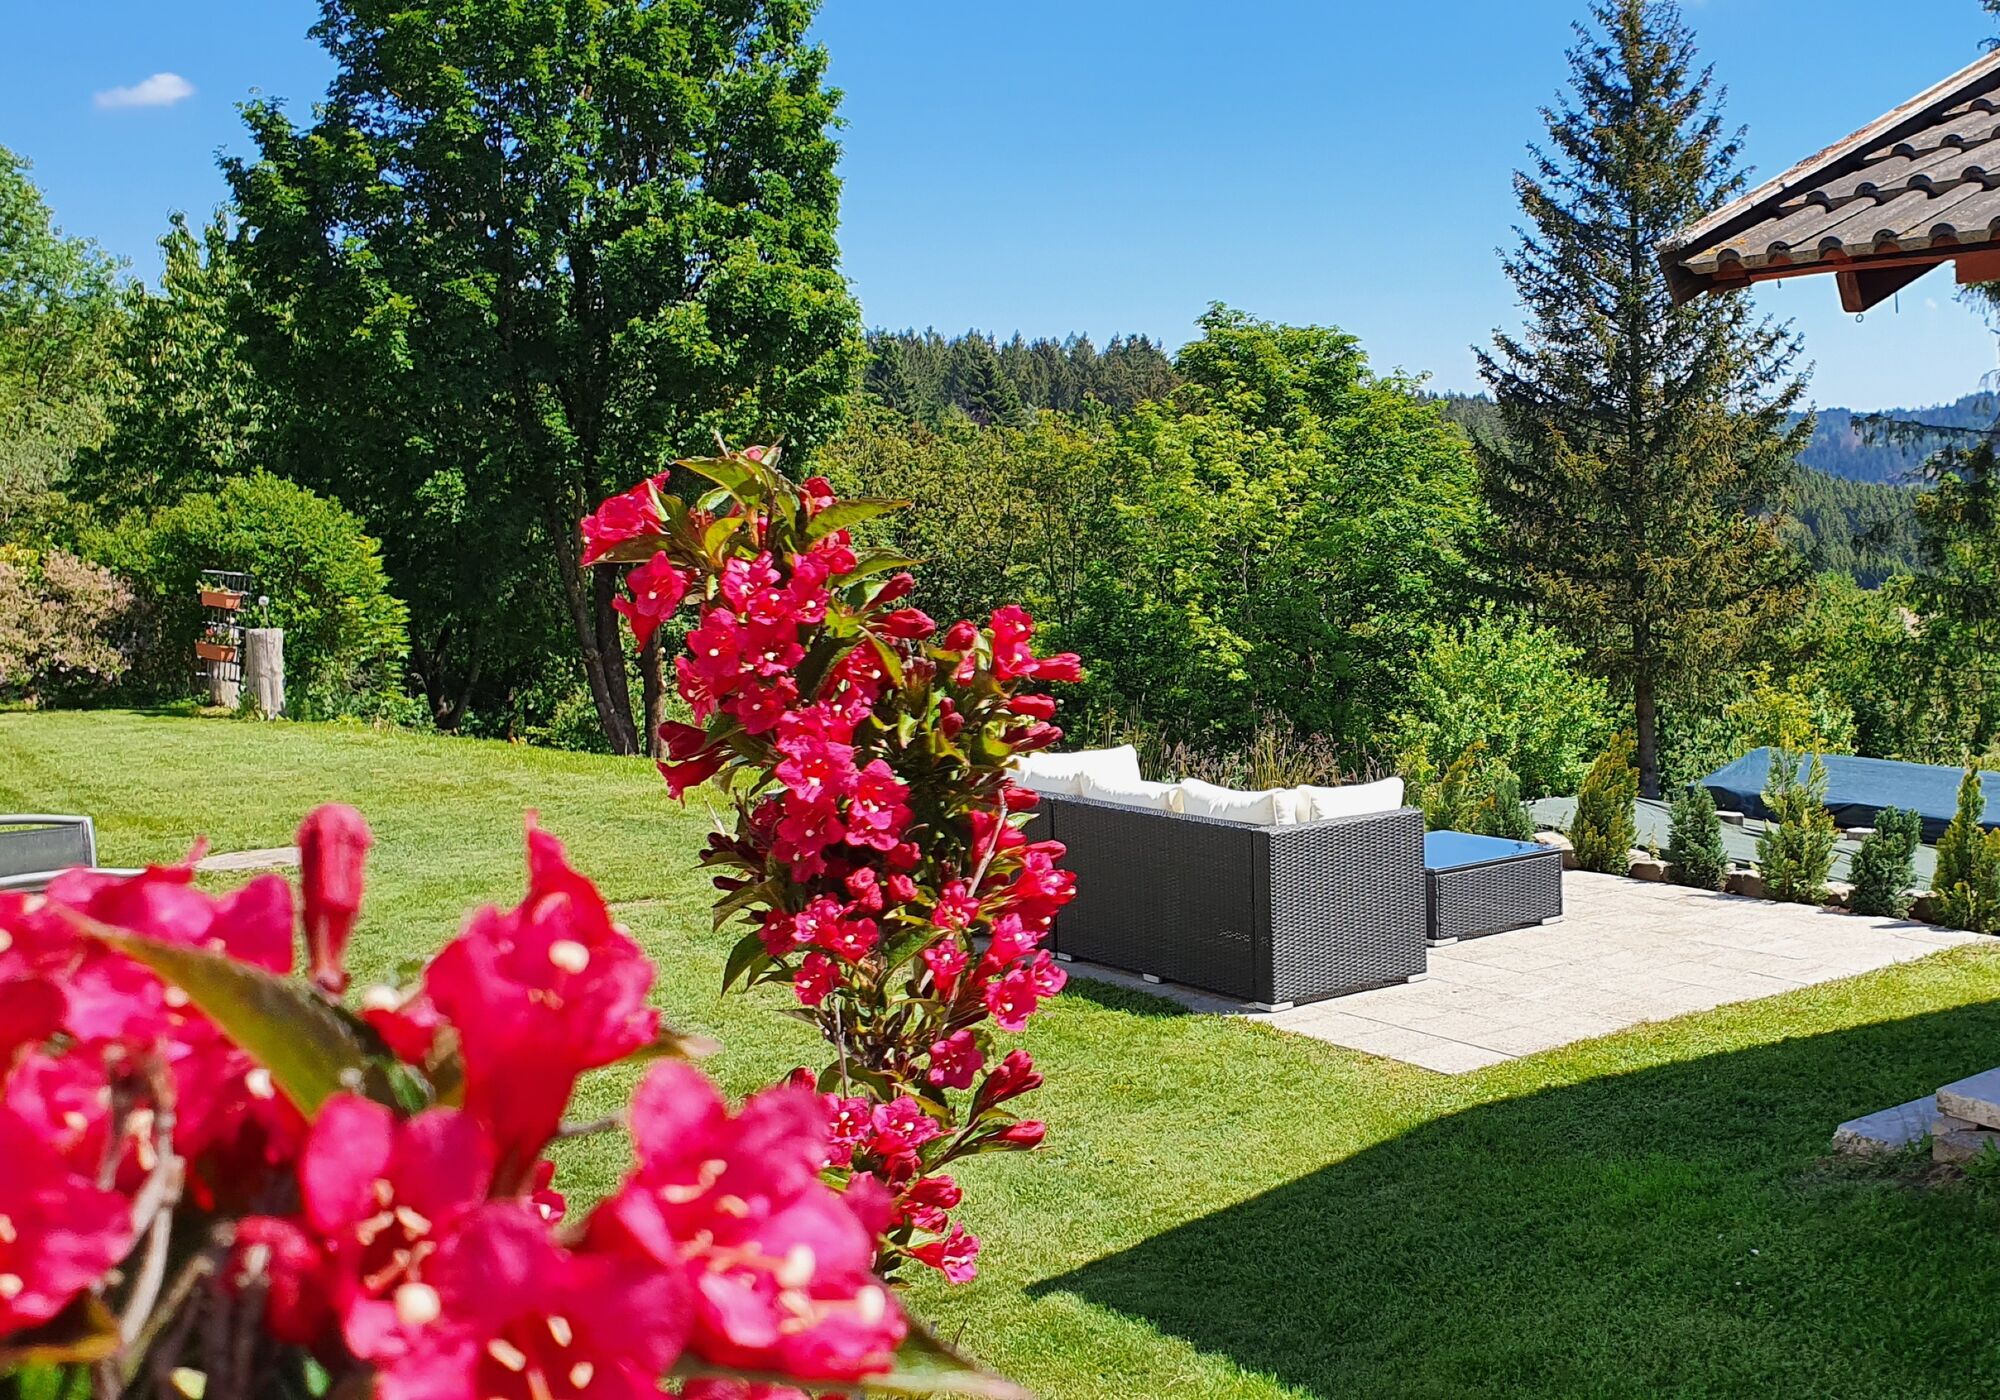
{"x": 1871, "y": 286}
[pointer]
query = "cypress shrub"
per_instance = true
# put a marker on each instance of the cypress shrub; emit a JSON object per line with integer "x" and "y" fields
{"x": 1602, "y": 830}
{"x": 1694, "y": 843}
{"x": 1502, "y": 812}
{"x": 1796, "y": 849}
{"x": 1885, "y": 866}
{"x": 1968, "y": 865}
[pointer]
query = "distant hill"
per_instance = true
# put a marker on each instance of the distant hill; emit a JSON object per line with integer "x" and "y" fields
{"x": 1843, "y": 447}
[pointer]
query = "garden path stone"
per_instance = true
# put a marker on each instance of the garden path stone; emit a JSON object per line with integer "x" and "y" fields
{"x": 1627, "y": 952}
{"x": 1886, "y": 1130}
{"x": 263, "y": 858}
{"x": 1975, "y": 1098}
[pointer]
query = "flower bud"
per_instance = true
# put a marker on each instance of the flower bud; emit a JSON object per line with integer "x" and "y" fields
{"x": 333, "y": 845}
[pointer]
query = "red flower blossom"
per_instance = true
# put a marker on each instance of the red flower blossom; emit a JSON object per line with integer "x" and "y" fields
{"x": 956, "y": 1256}
{"x": 290, "y": 1266}
{"x": 621, "y": 518}
{"x": 946, "y": 959}
{"x": 505, "y": 1313}
{"x": 911, "y": 624}
{"x": 777, "y": 1262}
{"x": 925, "y": 1201}
{"x": 955, "y": 1060}
{"x": 847, "y": 1127}
{"x": 657, "y": 588}
{"x": 816, "y": 977}
{"x": 1012, "y": 999}
{"x": 956, "y": 907}
{"x": 877, "y": 814}
{"x": 538, "y": 995}
{"x": 1016, "y": 1075}
{"x": 900, "y": 1127}
{"x": 1025, "y": 1134}
{"x": 62, "y": 1234}
{"x": 333, "y": 845}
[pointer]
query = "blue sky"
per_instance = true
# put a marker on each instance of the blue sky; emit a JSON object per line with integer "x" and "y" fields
{"x": 1111, "y": 165}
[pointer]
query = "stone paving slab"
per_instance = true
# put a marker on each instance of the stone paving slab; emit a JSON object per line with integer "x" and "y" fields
{"x": 1625, "y": 952}
{"x": 264, "y": 858}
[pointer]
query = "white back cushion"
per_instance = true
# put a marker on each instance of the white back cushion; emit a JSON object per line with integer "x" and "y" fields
{"x": 1274, "y": 807}
{"x": 1059, "y": 773}
{"x": 1129, "y": 792}
{"x": 1317, "y": 804}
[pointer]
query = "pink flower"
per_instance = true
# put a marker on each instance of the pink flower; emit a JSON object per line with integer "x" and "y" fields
{"x": 877, "y": 814}
{"x": 946, "y": 959}
{"x": 956, "y": 907}
{"x": 815, "y": 767}
{"x": 817, "y": 493}
{"x": 1025, "y": 1134}
{"x": 657, "y": 588}
{"x": 955, "y": 1060}
{"x": 902, "y": 889}
{"x": 925, "y": 1201}
{"x": 380, "y": 1194}
{"x": 624, "y": 517}
{"x": 1012, "y": 999}
{"x": 333, "y": 845}
{"x": 291, "y": 1269}
{"x": 1046, "y": 975}
{"x": 505, "y": 1313}
{"x": 62, "y": 1235}
{"x": 956, "y": 1256}
{"x": 539, "y": 995}
{"x": 847, "y": 1127}
{"x": 911, "y": 624}
{"x": 760, "y": 707}
{"x": 900, "y": 1127}
{"x": 817, "y": 976}
{"x": 850, "y": 939}
{"x": 1015, "y": 1076}
{"x": 777, "y": 1263}
{"x": 1035, "y": 706}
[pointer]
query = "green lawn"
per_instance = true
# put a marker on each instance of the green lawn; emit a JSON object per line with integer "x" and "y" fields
{"x": 1225, "y": 1210}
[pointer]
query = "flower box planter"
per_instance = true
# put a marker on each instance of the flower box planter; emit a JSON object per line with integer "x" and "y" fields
{"x": 1272, "y": 915}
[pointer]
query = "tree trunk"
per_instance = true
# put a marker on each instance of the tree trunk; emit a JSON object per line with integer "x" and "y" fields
{"x": 589, "y": 604}
{"x": 653, "y": 682}
{"x": 1646, "y": 727}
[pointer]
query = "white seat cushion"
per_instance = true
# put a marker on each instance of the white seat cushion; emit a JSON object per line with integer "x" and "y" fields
{"x": 1059, "y": 773}
{"x": 1130, "y": 792}
{"x": 1273, "y": 807}
{"x": 1317, "y": 804}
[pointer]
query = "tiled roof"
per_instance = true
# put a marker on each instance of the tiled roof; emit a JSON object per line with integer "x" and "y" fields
{"x": 1925, "y": 179}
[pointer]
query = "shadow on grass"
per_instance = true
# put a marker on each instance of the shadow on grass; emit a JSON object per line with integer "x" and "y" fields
{"x": 1676, "y": 1230}
{"x": 1113, "y": 997}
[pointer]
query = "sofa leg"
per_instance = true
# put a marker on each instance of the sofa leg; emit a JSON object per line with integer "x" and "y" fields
{"x": 1065, "y": 957}
{"x": 1149, "y": 977}
{"x": 1273, "y": 1005}
{"x": 1552, "y": 919}
{"x": 1418, "y": 977}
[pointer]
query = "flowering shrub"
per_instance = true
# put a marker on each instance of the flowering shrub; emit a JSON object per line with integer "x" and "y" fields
{"x": 215, "y": 1180}
{"x": 877, "y": 859}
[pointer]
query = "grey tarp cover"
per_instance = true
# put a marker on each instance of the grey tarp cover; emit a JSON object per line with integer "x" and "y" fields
{"x": 1857, "y": 789}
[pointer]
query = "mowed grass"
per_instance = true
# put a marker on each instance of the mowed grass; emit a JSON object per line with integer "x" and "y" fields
{"x": 1223, "y": 1209}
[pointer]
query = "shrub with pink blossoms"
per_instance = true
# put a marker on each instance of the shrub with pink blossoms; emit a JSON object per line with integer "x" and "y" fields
{"x": 878, "y": 863}
{"x": 216, "y": 1180}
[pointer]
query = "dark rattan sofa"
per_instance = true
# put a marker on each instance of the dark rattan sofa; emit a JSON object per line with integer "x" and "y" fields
{"x": 1273, "y": 915}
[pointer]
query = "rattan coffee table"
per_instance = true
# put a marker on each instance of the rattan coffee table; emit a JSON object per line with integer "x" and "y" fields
{"x": 1485, "y": 884}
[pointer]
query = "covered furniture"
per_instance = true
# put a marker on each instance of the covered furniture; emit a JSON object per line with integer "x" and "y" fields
{"x": 1268, "y": 914}
{"x": 35, "y": 849}
{"x": 1857, "y": 789}
{"x": 1485, "y": 884}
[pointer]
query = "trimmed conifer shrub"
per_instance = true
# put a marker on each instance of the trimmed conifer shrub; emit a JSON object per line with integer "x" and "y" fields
{"x": 1501, "y": 812}
{"x": 1796, "y": 849}
{"x": 1968, "y": 865}
{"x": 1602, "y": 831}
{"x": 1885, "y": 866}
{"x": 1694, "y": 843}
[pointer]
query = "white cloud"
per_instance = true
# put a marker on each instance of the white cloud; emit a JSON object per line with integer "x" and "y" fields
{"x": 160, "y": 90}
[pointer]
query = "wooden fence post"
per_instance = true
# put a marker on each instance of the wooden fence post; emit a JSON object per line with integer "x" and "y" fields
{"x": 264, "y": 669}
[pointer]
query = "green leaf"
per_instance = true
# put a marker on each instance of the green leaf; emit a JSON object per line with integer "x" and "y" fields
{"x": 670, "y": 1044}
{"x": 763, "y": 892}
{"x": 924, "y": 1366}
{"x": 82, "y": 1333}
{"x": 730, "y": 473}
{"x": 636, "y": 550}
{"x": 880, "y": 561}
{"x": 852, "y": 511}
{"x": 313, "y": 1048}
{"x": 743, "y": 958}
{"x": 886, "y": 654}
{"x": 718, "y": 531}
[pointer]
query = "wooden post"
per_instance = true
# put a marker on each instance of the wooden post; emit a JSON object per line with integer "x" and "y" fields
{"x": 264, "y": 668}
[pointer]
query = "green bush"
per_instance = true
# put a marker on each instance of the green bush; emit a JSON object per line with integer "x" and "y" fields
{"x": 1515, "y": 687}
{"x": 1694, "y": 842}
{"x": 1795, "y": 850}
{"x": 1968, "y": 865}
{"x": 345, "y": 634}
{"x": 62, "y": 622}
{"x": 1885, "y": 866}
{"x": 1501, "y": 811}
{"x": 1602, "y": 831}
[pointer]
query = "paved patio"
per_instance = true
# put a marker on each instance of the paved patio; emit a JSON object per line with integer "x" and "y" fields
{"x": 1625, "y": 952}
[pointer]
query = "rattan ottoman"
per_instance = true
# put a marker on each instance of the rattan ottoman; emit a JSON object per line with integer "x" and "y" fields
{"x": 1484, "y": 884}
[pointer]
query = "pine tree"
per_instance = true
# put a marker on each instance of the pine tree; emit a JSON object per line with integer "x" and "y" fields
{"x": 1795, "y": 851}
{"x": 1602, "y": 831}
{"x": 1644, "y": 443}
{"x": 1968, "y": 865}
{"x": 1694, "y": 841}
{"x": 1885, "y": 866}
{"x": 1501, "y": 811}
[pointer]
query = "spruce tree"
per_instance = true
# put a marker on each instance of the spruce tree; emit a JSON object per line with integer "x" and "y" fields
{"x": 1795, "y": 851}
{"x": 1643, "y": 444}
{"x": 1694, "y": 841}
{"x": 1968, "y": 864}
{"x": 1603, "y": 831}
{"x": 1885, "y": 866}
